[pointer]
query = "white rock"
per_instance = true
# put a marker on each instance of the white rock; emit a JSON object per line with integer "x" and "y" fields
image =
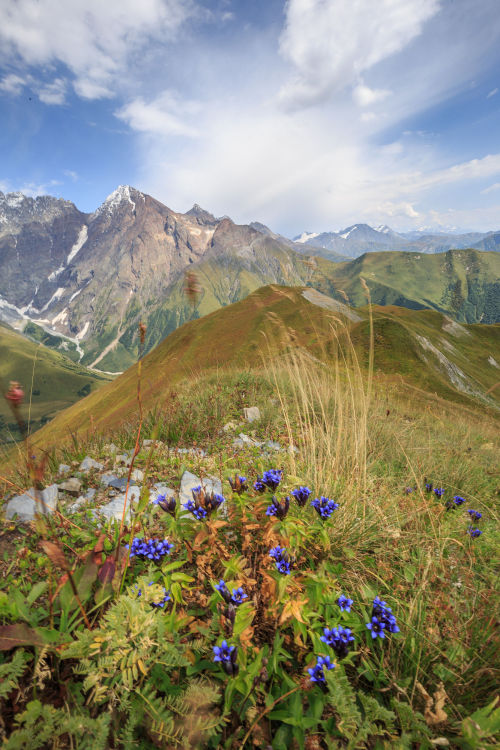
{"x": 137, "y": 475}
{"x": 161, "y": 489}
{"x": 230, "y": 426}
{"x": 114, "y": 509}
{"x": 89, "y": 463}
{"x": 252, "y": 413}
{"x": 72, "y": 486}
{"x": 111, "y": 448}
{"x": 63, "y": 468}
{"x": 243, "y": 440}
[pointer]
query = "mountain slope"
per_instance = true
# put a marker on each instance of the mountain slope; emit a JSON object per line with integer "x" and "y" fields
{"x": 57, "y": 382}
{"x": 424, "y": 348}
{"x": 465, "y": 284}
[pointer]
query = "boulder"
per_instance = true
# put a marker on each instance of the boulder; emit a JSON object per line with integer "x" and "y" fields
{"x": 63, "y": 468}
{"x": 89, "y": 463}
{"x": 25, "y": 506}
{"x": 72, "y": 486}
{"x": 114, "y": 509}
{"x": 189, "y": 481}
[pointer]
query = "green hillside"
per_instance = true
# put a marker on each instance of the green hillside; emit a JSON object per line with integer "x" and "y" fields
{"x": 421, "y": 348}
{"x": 57, "y": 381}
{"x": 465, "y": 284}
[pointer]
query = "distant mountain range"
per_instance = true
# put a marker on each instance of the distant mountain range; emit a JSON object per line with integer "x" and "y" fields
{"x": 362, "y": 238}
{"x": 81, "y": 283}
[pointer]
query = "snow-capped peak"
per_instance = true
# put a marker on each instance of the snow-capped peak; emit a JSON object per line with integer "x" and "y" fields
{"x": 13, "y": 200}
{"x": 383, "y": 228}
{"x": 117, "y": 197}
{"x": 306, "y": 236}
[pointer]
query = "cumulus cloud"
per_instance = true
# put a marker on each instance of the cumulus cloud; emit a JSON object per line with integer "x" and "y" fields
{"x": 92, "y": 38}
{"x": 365, "y": 96}
{"x": 13, "y": 84}
{"x": 330, "y": 44}
{"x": 166, "y": 115}
{"x": 53, "y": 93}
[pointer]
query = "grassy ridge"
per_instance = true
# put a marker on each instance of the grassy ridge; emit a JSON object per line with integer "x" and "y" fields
{"x": 421, "y": 349}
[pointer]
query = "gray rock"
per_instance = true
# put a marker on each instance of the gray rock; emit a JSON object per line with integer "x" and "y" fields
{"x": 107, "y": 479}
{"x": 89, "y": 463}
{"x": 63, "y": 468}
{"x": 137, "y": 475}
{"x": 161, "y": 489}
{"x": 244, "y": 440}
{"x": 252, "y": 413}
{"x": 25, "y": 506}
{"x": 190, "y": 481}
{"x": 190, "y": 451}
{"x": 72, "y": 486}
{"x": 230, "y": 426}
{"x": 90, "y": 494}
{"x": 123, "y": 459}
{"x": 114, "y": 509}
{"x": 76, "y": 506}
{"x": 121, "y": 483}
{"x": 272, "y": 445}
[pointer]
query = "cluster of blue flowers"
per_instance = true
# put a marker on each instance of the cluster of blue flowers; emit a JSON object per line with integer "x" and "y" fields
{"x": 235, "y": 598}
{"x": 283, "y": 561}
{"x": 382, "y": 620}
{"x": 456, "y": 502}
{"x": 168, "y": 504}
{"x": 278, "y": 509}
{"x": 269, "y": 480}
{"x": 227, "y": 656}
{"x": 203, "y": 503}
{"x": 344, "y": 603}
{"x": 317, "y": 672}
{"x": 150, "y": 549}
{"x": 301, "y": 495}
{"x": 339, "y": 639}
{"x": 324, "y": 506}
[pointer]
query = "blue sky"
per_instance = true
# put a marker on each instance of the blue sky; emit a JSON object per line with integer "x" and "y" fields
{"x": 305, "y": 115}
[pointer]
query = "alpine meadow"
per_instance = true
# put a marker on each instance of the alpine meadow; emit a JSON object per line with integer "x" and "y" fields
{"x": 249, "y": 475}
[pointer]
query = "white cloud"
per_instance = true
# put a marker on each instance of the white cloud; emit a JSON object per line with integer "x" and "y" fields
{"x": 71, "y": 174}
{"x": 53, "y": 93}
{"x": 491, "y": 188}
{"x": 365, "y": 96}
{"x": 492, "y": 93}
{"x": 331, "y": 43}
{"x": 167, "y": 115}
{"x": 13, "y": 84}
{"x": 94, "y": 39}
{"x": 393, "y": 210}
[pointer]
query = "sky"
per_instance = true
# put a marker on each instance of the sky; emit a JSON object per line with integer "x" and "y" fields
{"x": 306, "y": 115}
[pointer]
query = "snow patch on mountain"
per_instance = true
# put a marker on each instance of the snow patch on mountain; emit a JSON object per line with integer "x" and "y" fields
{"x": 305, "y": 236}
{"x": 80, "y": 242}
{"x": 57, "y": 295}
{"x": 116, "y": 198}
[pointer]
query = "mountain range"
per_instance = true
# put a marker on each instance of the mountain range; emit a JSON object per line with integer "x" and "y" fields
{"x": 362, "y": 238}
{"x": 81, "y": 283}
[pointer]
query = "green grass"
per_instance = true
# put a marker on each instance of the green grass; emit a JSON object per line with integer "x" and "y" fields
{"x": 53, "y": 380}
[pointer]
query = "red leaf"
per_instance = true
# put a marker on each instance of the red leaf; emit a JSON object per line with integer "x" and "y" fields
{"x": 107, "y": 572}
{"x": 55, "y": 554}
{"x": 20, "y": 634}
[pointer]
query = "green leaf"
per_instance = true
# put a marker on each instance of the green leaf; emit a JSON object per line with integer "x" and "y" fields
{"x": 36, "y": 592}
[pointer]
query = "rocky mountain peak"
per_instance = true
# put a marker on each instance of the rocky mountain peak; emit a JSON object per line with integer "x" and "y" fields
{"x": 201, "y": 216}
{"x": 123, "y": 197}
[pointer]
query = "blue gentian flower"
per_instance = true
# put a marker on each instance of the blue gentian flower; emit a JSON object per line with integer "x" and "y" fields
{"x": 301, "y": 495}
{"x": 203, "y": 503}
{"x": 344, "y": 603}
{"x": 428, "y": 486}
{"x": 223, "y": 591}
{"x": 282, "y": 560}
{"x": 376, "y": 627}
{"x": 150, "y": 549}
{"x": 270, "y": 479}
{"x": 339, "y": 639}
{"x": 324, "y": 506}
{"x": 473, "y": 532}
{"x": 278, "y": 509}
{"x": 474, "y": 514}
{"x": 439, "y": 491}
{"x": 238, "y": 596}
{"x": 223, "y": 652}
{"x": 409, "y": 490}
{"x": 227, "y": 655}
{"x": 198, "y": 512}
{"x": 166, "y": 504}
{"x": 458, "y": 500}
{"x": 317, "y": 672}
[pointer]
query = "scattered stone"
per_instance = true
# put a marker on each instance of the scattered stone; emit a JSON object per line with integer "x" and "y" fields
{"x": 25, "y": 506}
{"x": 106, "y": 479}
{"x": 137, "y": 475}
{"x": 90, "y": 494}
{"x": 63, "y": 468}
{"x": 75, "y": 507}
{"x": 252, "y": 413}
{"x": 72, "y": 486}
{"x": 230, "y": 426}
{"x": 190, "y": 481}
{"x": 244, "y": 440}
{"x": 89, "y": 463}
{"x": 272, "y": 445}
{"x": 121, "y": 483}
{"x": 111, "y": 448}
{"x": 156, "y": 443}
{"x": 114, "y": 509}
{"x": 190, "y": 451}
